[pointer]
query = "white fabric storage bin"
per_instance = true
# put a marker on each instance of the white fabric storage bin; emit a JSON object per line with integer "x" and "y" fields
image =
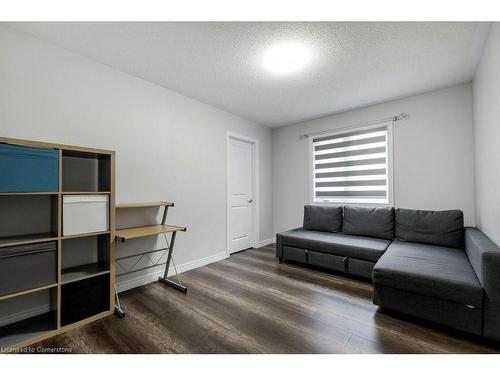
{"x": 85, "y": 214}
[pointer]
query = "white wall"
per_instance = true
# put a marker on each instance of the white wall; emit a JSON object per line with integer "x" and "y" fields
{"x": 487, "y": 136}
{"x": 169, "y": 147}
{"x": 433, "y": 155}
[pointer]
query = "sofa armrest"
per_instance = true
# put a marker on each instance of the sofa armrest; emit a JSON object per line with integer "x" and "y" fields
{"x": 279, "y": 242}
{"x": 484, "y": 256}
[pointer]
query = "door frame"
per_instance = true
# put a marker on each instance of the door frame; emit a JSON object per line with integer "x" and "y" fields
{"x": 254, "y": 143}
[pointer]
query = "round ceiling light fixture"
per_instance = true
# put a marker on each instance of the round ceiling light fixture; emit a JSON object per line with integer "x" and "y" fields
{"x": 286, "y": 58}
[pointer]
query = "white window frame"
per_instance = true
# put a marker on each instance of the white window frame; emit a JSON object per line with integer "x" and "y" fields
{"x": 390, "y": 166}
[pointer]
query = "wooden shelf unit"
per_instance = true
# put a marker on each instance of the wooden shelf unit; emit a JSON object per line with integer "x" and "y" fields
{"x": 45, "y": 326}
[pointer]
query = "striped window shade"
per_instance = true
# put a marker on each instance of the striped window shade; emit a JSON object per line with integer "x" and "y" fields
{"x": 353, "y": 166}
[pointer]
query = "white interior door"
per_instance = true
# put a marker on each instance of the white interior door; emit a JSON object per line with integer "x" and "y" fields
{"x": 240, "y": 186}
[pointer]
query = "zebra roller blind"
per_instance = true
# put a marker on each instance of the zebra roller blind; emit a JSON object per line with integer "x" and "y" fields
{"x": 352, "y": 166}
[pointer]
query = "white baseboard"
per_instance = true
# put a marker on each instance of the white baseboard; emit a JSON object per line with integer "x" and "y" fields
{"x": 25, "y": 314}
{"x": 269, "y": 241}
{"x": 153, "y": 276}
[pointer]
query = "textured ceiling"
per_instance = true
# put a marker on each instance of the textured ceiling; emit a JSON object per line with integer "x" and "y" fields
{"x": 353, "y": 64}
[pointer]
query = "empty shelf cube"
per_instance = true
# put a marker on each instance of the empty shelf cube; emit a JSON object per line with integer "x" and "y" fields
{"x": 85, "y": 257}
{"x": 85, "y": 214}
{"x": 27, "y": 316}
{"x": 85, "y": 172}
{"x": 25, "y": 218}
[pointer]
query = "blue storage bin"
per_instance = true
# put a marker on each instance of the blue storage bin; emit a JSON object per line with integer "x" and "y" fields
{"x": 28, "y": 169}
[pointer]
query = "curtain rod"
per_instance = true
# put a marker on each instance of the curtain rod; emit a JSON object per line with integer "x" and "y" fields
{"x": 401, "y": 116}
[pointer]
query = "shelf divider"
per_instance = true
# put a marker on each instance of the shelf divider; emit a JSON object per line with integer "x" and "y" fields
{"x": 28, "y": 291}
{"x": 27, "y": 238}
{"x": 85, "y": 192}
{"x": 82, "y": 272}
{"x": 89, "y": 234}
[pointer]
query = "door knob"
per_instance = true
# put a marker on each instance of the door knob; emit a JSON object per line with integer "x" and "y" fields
{"x": 250, "y": 201}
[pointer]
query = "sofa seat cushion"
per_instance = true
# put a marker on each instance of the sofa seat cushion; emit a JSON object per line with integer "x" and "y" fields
{"x": 364, "y": 248}
{"x": 428, "y": 270}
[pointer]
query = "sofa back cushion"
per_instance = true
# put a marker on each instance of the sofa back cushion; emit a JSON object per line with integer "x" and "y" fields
{"x": 375, "y": 222}
{"x": 439, "y": 228}
{"x": 323, "y": 218}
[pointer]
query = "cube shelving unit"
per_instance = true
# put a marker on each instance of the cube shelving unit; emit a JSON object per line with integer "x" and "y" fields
{"x": 83, "y": 290}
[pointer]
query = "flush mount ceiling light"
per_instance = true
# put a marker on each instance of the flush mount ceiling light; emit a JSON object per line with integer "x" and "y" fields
{"x": 286, "y": 58}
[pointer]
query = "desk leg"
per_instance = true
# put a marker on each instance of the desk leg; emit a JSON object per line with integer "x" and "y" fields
{"x": 165, "y": 279}
{"x": 119, "y": 312}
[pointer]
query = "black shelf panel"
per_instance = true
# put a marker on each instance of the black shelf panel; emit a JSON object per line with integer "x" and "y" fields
{"x": 84, "y": 298}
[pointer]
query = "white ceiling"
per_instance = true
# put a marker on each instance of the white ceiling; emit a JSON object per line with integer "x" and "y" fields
{"x": 353, "y": 64}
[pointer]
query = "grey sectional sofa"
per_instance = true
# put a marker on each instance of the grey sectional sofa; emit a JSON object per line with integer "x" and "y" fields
{"x": 422, "y": 263}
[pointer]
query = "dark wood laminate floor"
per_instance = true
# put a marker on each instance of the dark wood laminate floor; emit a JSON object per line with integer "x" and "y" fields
{"x": 250, "y": 303}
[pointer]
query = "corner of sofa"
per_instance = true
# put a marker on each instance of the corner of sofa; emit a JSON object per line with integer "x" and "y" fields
{"x": 484, "y": 256}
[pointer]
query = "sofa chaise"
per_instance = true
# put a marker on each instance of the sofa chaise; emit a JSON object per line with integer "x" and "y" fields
{"x": 421, "y": 263}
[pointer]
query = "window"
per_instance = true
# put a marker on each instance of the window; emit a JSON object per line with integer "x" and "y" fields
{"x": 353, "y": 166}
